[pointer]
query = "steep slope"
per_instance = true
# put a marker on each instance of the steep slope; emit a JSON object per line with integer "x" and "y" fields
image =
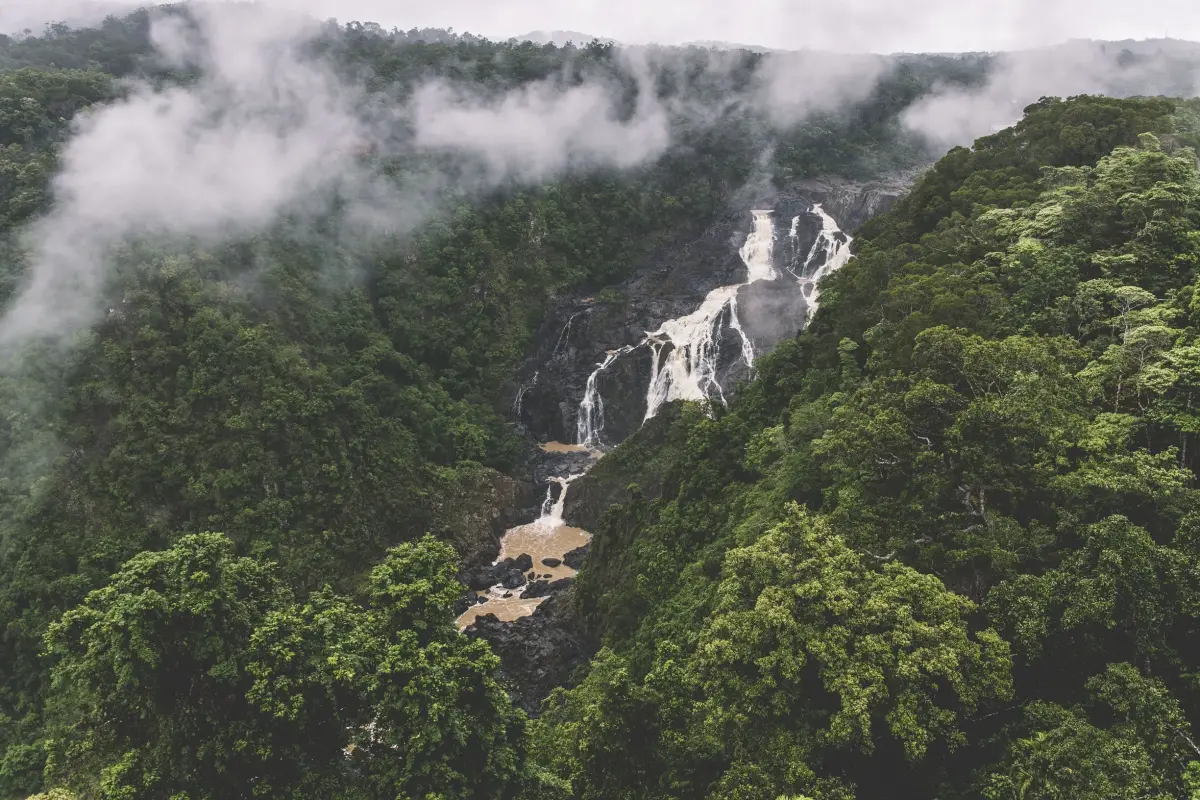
{"x": 691, "y": 324}
{"x": 943, "y": 544}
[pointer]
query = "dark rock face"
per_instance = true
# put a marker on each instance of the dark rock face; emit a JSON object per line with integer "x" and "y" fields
{"x": 539, "y": 588}
{"x": 481, "y": 576}
{"x": 477, "y": 513}
{"x": 574, "y": 558}
{"x": 537, "y": 653}
{"x": 465, "y": 601}
{"x": 551, "y": 562}
{"x": 852, "y": 203}
{"x": 579, "y": 334}
{"x": 515, "y": 579}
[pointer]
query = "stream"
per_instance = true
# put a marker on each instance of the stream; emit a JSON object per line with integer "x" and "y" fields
{"x": 685, "y": 353}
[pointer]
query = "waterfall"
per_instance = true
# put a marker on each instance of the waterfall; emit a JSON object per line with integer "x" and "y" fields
{"x": 836, "y": 247}
{"x": 552, "y": 507}
{"x": 684, "y": 355}
{"x": 521, "y": 394}
{"x": 590, "y": 420}
{"x": 688, "y": 370}
{"x": 566, "y": 332}
{"x": 685, "y": 350}
{"x": 555, "y": 516}
{"x": 548, "y": 503}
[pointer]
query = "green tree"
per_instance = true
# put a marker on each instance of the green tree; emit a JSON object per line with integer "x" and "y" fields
{"x": 195, "y": 674}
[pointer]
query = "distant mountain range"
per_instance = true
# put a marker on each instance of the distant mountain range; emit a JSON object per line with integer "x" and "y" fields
{"x": 1162, "y": 47}
{"x": 561, "y": 38}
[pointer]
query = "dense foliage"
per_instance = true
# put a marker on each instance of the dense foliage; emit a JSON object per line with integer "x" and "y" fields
{"x": 945, "y": 543}
{"x": 195, "y": 673}
{"x": 316, "y": 399}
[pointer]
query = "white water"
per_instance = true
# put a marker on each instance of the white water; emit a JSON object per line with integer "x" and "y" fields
{"x": 688, "y": 370}
{"x": 566, "y": 332}
{"x": 521, "y": 394}
{"x": 685, "y": 350}
{"x": 590, "y": 420}
{"x": 836, "y": 253}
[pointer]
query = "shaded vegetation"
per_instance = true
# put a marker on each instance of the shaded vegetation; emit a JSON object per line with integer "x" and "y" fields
{"x": 944, "y": 545}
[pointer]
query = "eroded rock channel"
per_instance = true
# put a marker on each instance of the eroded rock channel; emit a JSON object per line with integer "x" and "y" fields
{"x": 690, "y": 329}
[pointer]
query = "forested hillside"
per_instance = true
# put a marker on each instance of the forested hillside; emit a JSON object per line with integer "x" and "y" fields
{"x": 314, "y": 397}
{"x": 943, "y": 545}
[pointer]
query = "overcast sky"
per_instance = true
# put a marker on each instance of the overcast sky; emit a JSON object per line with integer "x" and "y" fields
{"x": 845, "y": 25}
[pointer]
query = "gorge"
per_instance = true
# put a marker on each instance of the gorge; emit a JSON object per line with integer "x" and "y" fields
{"x": 695, "y": 357}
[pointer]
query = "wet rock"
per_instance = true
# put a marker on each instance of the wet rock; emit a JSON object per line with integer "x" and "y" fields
{"x": 465, "y": 601}
{"x": 537, "y": 653}
{"x": 580, "y": 331}
{"x": 515, "y": 579}
{"x": 574, "y": 558}
{"x": 545, "y": 587}
{"x": 507, "y": 595}
{"x": 550, "y": 561}
{"x": 481, "y": 599}
{"x": 538, "y": 588}
{"x": 561, "y": 465}
{"x": 475, "y": 511}
{"x": 500, "y": 572}
{"x": 479, "y": 577}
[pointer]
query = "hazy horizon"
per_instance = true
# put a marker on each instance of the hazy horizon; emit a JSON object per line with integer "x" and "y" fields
{"x": 874, "y": 26}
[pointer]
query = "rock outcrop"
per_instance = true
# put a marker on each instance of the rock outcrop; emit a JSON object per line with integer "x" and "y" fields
{"x": 478, "y": 510}
{"x": 537, "y": 653}
{"x": 581, "y": 332}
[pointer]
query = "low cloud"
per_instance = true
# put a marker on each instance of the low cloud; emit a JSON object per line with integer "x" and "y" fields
{"x": 265, "y": 129}
{"x": 261, "y": 128}
{"x": 541, "y": 129}
{"x": 792, "y": 86}
{"x": 959, "y": 116}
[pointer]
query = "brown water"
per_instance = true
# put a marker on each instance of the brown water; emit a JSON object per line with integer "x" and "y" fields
{"x": 547, "y": 537}
{"x": 506, "y": 609}
{"x": 559, "y": 447}
{"x": 542, "y": 541}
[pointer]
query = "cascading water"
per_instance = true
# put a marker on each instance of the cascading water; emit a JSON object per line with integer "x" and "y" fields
{"x": 688, "y": 370}
{"x": 685, "y": 351}
{"x": 590, "y": 420}
{"x": 566, "y": 332}
{"x": 546, "y": 537}
{"x": 521, "y": 394}
{"x": 835, "y": 245}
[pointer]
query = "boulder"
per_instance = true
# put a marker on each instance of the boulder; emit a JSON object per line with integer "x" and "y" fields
{"x": 465, "y": 601}
{"x": 515, "y": 579}
{"x": 551, "y": 562}
{"x": 537, "y": 653}
{"x": 574, "y": 559}
{"x": 537, "y": 589}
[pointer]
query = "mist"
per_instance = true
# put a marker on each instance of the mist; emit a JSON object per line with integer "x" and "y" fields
{"x": 267, "y": 129}
{"x": 958, "y": 116}
{"x": 260, "y": 129}
{"x": 539, "y": 130}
